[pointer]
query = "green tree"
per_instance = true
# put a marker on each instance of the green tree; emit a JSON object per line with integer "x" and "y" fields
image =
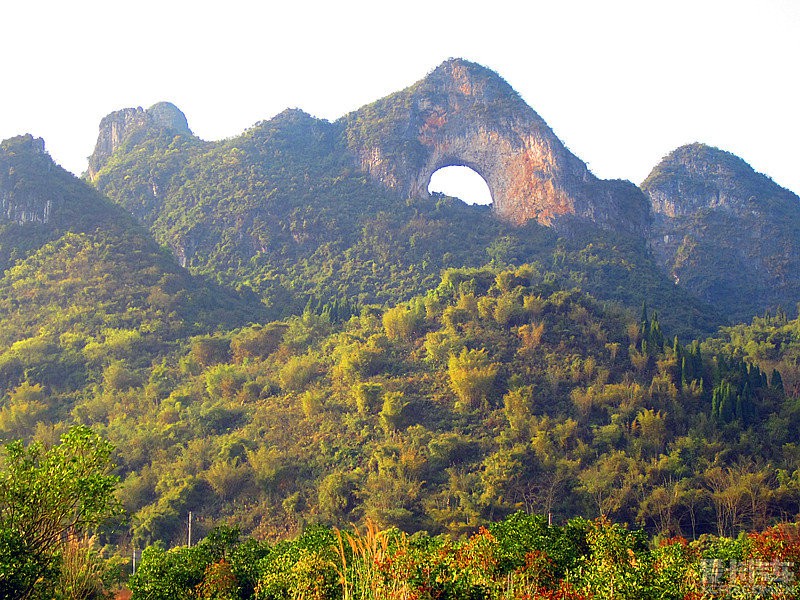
{"x": 391, "y": 415}
{"x": 618, "y": 565}
{"x": 47, "y": 496}
{"x": 404, "y": 322}
{"x": 776, "y": 381}
{"x": 257, "y": 342}
{"x": 26, "y": 406}
{"x": 367, "y": 396}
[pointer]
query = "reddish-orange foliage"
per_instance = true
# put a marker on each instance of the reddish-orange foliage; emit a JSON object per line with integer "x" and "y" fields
{"x": 678, "y": 539}
{"x": 218, "y": 580}
{"x": 539, "y": 570}
{"x": 781, "y": 542}
{"x": 564, "y": 592}
{"x": 479, "y": 552}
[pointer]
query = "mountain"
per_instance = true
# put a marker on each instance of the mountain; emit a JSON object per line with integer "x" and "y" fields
{"x": 291, "y": 210}
{"x": 39, "y": 201}
{"x": 463, "y": 114}
{"x": 501, "y": 370}
{"x": 124, "y": 125}
{"x": 729, "y": 235}
{"x": 84, "y": 284}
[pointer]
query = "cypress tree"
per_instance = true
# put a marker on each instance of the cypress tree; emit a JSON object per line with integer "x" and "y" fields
{"x": 644, "y": 325}
{"x": 754, "y": 376}
{"x": 697, "y": 361}
{"x": 655, "y": 336}
{"x": 745, "y": 408}
{"x": 715, "y": 399}
{"x": 776, "y": 382}
{"x": 726, "y": 404}
{"x": 685, "y": 375}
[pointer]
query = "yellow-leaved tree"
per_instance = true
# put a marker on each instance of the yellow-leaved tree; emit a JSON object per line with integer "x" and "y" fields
{"x": 472, "y": 378}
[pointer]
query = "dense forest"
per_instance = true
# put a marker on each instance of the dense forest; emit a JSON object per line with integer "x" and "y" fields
{"x": 343, "y": 393}
{"x": 493, "y": 393}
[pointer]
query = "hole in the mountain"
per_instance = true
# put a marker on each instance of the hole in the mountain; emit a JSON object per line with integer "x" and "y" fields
{"x": 462, "y": 183}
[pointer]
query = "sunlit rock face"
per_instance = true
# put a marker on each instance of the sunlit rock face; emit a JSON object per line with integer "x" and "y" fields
{"x": 465, "y": 114}
{"x": 120, "y": 126}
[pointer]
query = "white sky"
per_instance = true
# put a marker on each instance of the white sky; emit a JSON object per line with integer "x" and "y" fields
{"x": 622, "y": 83}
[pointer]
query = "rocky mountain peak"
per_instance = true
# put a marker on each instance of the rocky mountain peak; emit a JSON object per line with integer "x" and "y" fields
{"x": 22, "y": 199}
{"x": 463, "y": 114}
{"x": 725, "y": 232}
{"x": 25, "y": 144}
{"x": 470, "y": 79}
{"x": 697, "y": 176}
{"x": 168, "y": 116}
{"x": 39, "y": 200}
{"x": 119, "y": 126}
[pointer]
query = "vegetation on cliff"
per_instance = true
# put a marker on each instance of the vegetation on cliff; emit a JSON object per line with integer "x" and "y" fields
{"x": 309, "y": 350}
{"x": 282, "y": 211}
{"x": 727, "y": 234}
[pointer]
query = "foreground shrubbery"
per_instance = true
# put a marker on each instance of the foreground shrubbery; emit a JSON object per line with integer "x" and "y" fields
{"x": 520, "y": 557}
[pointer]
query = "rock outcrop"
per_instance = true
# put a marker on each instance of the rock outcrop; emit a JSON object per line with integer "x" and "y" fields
{"x": 728, "y": 234}
{"x": 466, "y": 115}
{"x": 20, "y": 202}
{"x": 718, "y": 229}
{"x": 118, "y": 127}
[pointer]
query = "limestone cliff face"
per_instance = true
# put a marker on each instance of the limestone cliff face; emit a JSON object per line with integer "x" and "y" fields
{"x": 21, "y": 203}
{"x": 465, "y": 114}
{"x": 728, "y": 234}
{"x": 121, "y": 125}
{"x": 40, "y": 201}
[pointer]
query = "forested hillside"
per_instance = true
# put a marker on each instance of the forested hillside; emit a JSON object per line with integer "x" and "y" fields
{"x": 262, "y": 337}
{"x": 283, "y": 211}
{"x": 85, "y": 295}
{"x": 494, "y": 392}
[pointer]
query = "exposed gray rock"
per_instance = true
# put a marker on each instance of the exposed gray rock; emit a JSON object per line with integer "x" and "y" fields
{"x": 121, "y": 125}
{"x": 726, "y": 233}
{"x": 22, "y": 204}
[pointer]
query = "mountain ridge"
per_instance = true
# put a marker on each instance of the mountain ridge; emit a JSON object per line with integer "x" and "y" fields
{"x": 76, "y": 269}
{"x": 428, "y": 366}
{"x": 285, "y": 210}
{"x": 384, "y": 153}
{"x": 464, "y": 114}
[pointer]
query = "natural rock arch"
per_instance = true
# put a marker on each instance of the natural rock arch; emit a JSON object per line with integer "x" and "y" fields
{"x": 460, "y": 181}
{"x": 463, "y": 114}
{"x": 489, "y": 158}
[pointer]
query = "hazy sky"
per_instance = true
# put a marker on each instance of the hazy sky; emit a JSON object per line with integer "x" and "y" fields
{"x": 621, "y": 83}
